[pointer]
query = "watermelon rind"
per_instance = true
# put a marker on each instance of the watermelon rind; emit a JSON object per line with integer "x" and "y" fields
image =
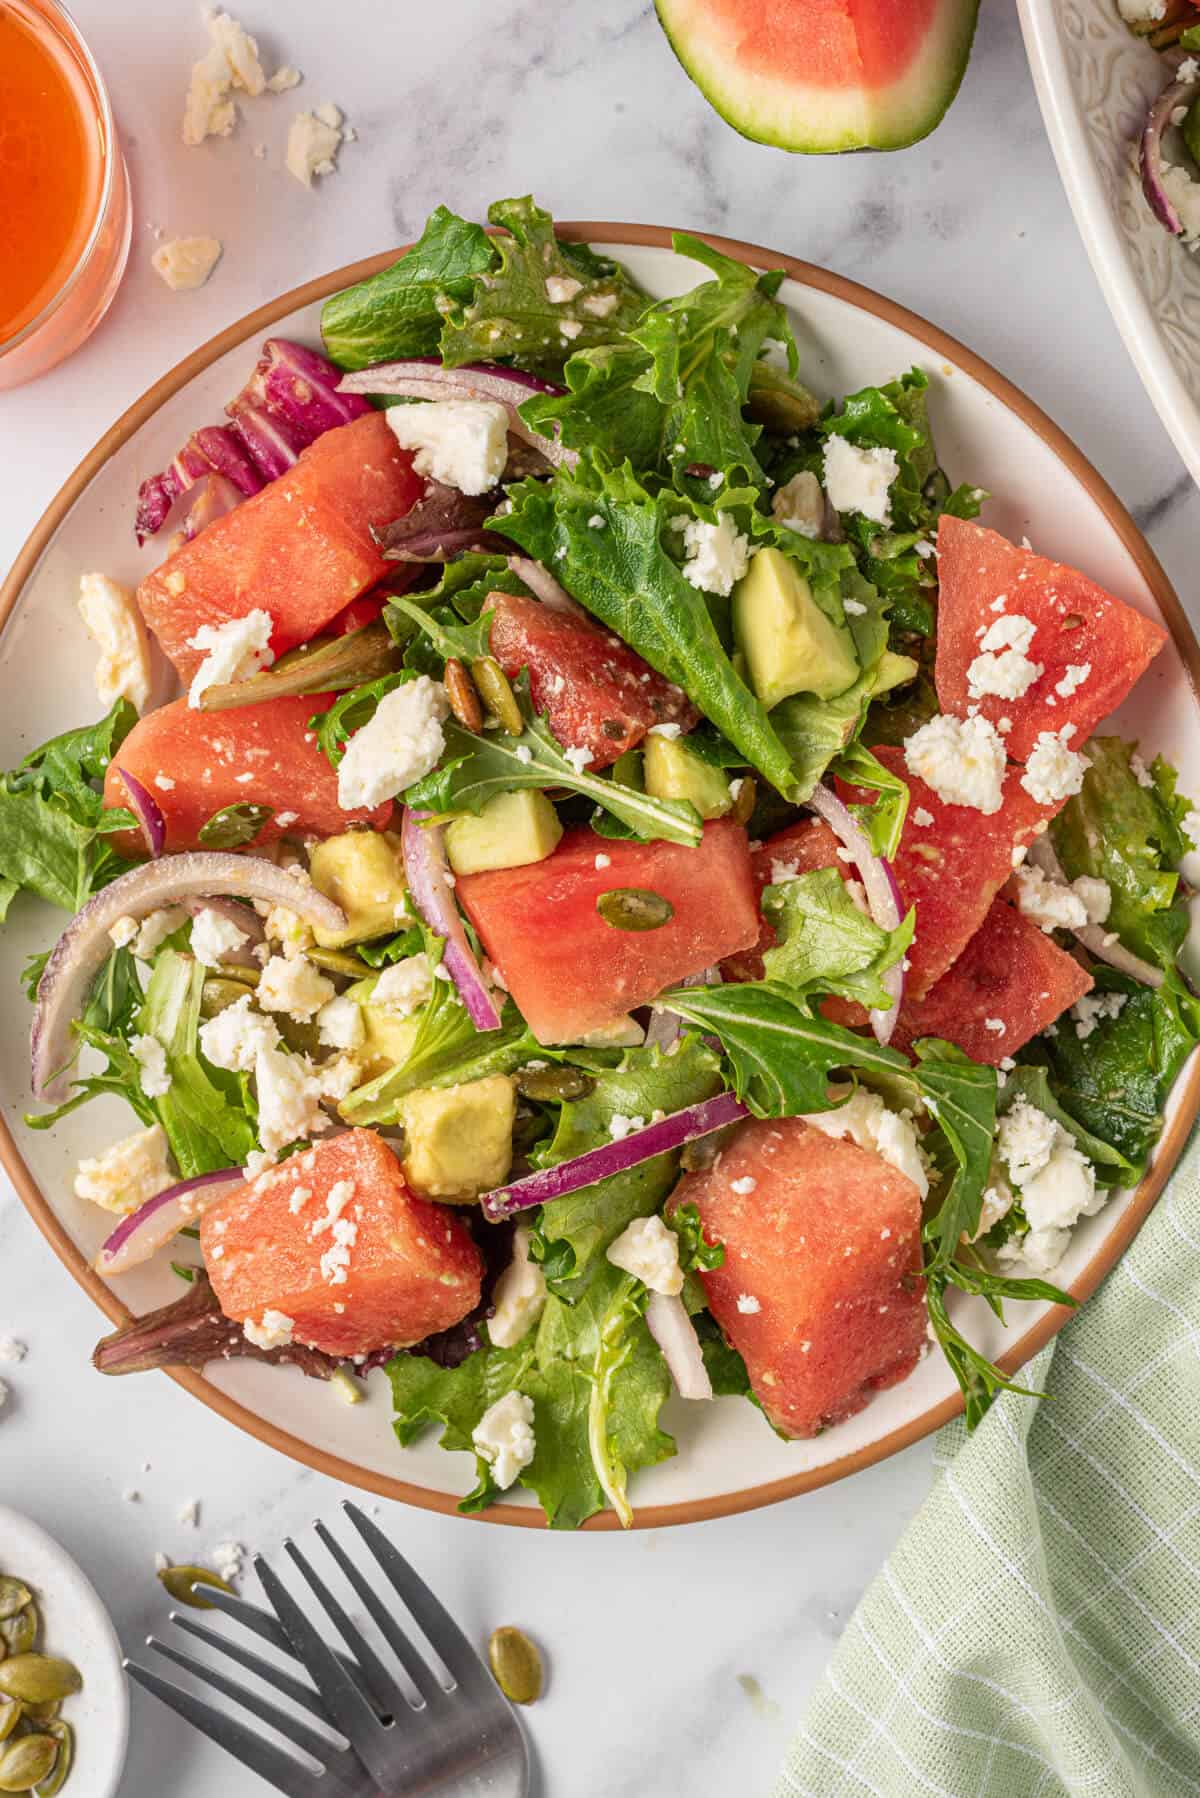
{"x": 811, "y": 118}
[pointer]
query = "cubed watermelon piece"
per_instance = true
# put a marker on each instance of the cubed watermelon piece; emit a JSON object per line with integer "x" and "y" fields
{"x": 300, "y": 550}
{"x": 1092, "y": 646}
{"x": 1010, "y": 981}
{"x": 598, "y": 693}
{"x": 193, "y": 764}
{"x": 952, "y": 868}
{"x": 568, "y": 970}
{"x": 401, "y": 1268}
{"x": 820, "y": 1290}
{"x": 797, "y": 849}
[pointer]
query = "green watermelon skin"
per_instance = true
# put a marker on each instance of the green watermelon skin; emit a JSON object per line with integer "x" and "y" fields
{"x": 824, "y": 76}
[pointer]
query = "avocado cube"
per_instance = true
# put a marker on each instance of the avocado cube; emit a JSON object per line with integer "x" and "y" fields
{"x": 363, "y": 872}
{"x": 789, "y": 644}
{"x": 510, "y": 831}
{"x": 673, "y": 771}
{"x": 892, "y": 671}
{"x": 458, "y": 1139}
{"x": 388, "y": 1039}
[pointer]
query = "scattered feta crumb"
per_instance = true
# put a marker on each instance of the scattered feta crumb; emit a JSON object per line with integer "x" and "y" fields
{"x": 284, "y": 79}
{"x": 151, "y": 1057}
{"x": 1137, "y": 12}
{"x": 1092, "y": 1008}
{"x": 274, "y": 1330}
{"x": 399, "y": 745}
{"x": 291, "y": 983}
{"x": 859, "y": 480}
{"x": 185, "y": 263}
{"x": 111, "y": 617}
{"x": 716, "y": 555}
{"x": 962, "y": 760}
{"x": 996, "y": 1025}
{"x": 602, "y": 862}
{"x": 156, "y": 928}
{"x": 1048, "y": 903}
{"x": 227, "y": 1560}
{"x": 519, "y": 1295}
{"x": 234, "y": 1037}
{"x": 462, "y": 443}
{"x": 289, "y": 1100}
{"x": 214, "y": 937}
{"x": 579, "y": 757}
{"x": 1053, "y": 771}
{"x": 866, "y": 1120}
{"x": 314, "y": 139}
{"x": 649, "y": 1250}
{"x": 123, "y": 932}
{"x": 189, "y": 1513}
{"x": 747, "y": 1304}
{"x": 1076, "y": 674}
{"x": 230, "y": 63}
{"x": 11, "y": 1350}
{"x": 504, "y": 1437}
{"x": 404, "y": 987}
{"x": 561, "y": 288}
{"x": 235, "y": 650}
{"x": 746, "y": 1184}
{"x": 340, "y": 1023}
{"x": 1003, "y": 668}
{"x": 127, "y": 1174}
{"x": 922, "y": 817}
{"x": 621, "y": 1126}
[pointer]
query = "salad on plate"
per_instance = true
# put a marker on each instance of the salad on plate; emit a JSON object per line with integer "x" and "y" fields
{"x": 635, "y": 890}
{"x": 1169, "y": 145}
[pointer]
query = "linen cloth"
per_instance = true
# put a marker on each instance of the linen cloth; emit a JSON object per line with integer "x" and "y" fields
{"x": 1037, "y": 1629}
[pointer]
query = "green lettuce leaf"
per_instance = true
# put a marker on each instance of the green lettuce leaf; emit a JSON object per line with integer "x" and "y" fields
{"x": 825, "y": 944}
{"x": 203, "y": 1110}
{"x": 960, "y": 1096}
{"x": 398, "y": 313}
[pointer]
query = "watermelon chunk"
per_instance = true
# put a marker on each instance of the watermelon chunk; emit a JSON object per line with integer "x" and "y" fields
{"x": 193, "y": 763}
{"x": 300, "y": 550}
{"x": 569, "y": 971}
{"x": 824, "y": 75}
{"x": 952, "y": 868}
{"x": 820, "y": 1290}
{"x": 411, "y": 1270}
{"x": 1010, "y": 981}
{"x": 1078, "y": 626}
{"x": 598, "y": 693}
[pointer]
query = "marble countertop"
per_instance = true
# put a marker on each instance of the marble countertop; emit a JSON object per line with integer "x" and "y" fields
{"x": 678, "y": 1659}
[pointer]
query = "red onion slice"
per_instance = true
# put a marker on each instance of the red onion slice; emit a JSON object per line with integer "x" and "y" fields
{"x": 146, "y": 1230}
{"x": 147, "y": 811}
{"x": 884, "y": 899}
{"x": 274, "y": 446}
{"x": 424, "y": 378}
{"x": 426, "y": 867}
{"x": 614, "y": 1157}
{"x": 1094, "y": 937}
{"x": 542, "y": 584}
{"x": 217, "y": 496}
{"x": 85, "y": 944}
{"x": 675, "y": 1333}
{"x": 1150, "y": 157}
{"x": 298, "y": 388}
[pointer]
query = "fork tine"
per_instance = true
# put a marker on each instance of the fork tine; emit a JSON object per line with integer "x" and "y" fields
{"x": 279, "y": 1769}
{"x": 429, "y": 1612}
{"x": 263, "y": 1624}
{"x": 320, "y": 1747}
{"x": 389, "y": 1697}
{"x": 410, "y": 1658}
{"x": 274, "y": 1675}
{"x": 343, "y": 1700}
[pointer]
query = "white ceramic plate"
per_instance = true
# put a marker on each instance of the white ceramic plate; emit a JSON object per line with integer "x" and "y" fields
{"x": 76, "y": 1625}
{"x": 1095, "y": 82}
{"x": 987, "y": 433}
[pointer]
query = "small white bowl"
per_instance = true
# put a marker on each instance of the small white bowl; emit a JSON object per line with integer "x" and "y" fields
{"x": 77, "y": 1626}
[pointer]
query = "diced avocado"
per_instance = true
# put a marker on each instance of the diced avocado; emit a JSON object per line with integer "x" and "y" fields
{"x": 673, "y": 771}
{"x": 511, "y": 831}
{"x": 389, "y": 1037}
{"x": 458, "y": 1139}
{"x": 893, "y": 671}
{"x": 789, "y": 644}
{"x": 622, "y": 1033}
{"x": 363, "y": 872}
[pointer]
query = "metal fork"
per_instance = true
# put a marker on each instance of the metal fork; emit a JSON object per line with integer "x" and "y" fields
{"x": 430, "y": 1732}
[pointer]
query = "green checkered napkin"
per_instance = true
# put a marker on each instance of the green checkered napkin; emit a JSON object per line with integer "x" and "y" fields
{"x": 1037, "y": 1630}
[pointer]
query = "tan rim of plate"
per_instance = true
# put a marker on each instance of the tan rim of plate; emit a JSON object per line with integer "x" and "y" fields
{"x": 940, "y": 345}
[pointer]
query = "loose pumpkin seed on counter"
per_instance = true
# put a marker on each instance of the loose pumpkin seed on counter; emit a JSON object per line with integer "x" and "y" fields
{"x": 181, "y": 1583}
{"x": 36, "y": 1747}
{"x": 516, "y": 1664}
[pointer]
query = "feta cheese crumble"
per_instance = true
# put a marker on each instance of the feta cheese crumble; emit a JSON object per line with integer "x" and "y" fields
{"x": 747, "y": 1304}
{"x": 716, "y": 555}
{"x": 127, "y": 1174}
{"x": 111, "y": 617}
{"x": 1092, "y": 1008}
{"x": 235, "y": 650}
{"x": 961, "y": 759}
{"x": 340, "y": 1023}
{"x": 747, "y": 1184}
{"x": 398, "y": 746}
{"x": 866, "y": 1120}
{"x": 289, "y": 1100}
{"x": 230, "y": 63}
{"x": 274, "y": 1330}
{"x": 314, "y": 139}
{"x": 504, "y": 1437}
{"x": 1057, "y": 1184}
{"x": 156, "y": 928}
{"x": 1053, "y": 771}
{"x": 649, "y": 1251}
{"x": 519, "y": 1295}
{"x": 1076, "y": 674}
{"x": 151, "y": 1058}
{"x": 404, "y": 987}
{"x": 561, "y": 288}
{"x": 233, "y": 1038}
{"x": 1003, "y": 668}
{"x": 214, "y": 937}
{"x": 462, "y": 443}
{"x": 185, "y": 263}
{"x": 1052, "y": 905}
{"x": 859, "y": 480}
{"x": 291, "y": 983}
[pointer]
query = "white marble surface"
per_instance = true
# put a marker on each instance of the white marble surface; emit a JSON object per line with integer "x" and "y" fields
{"x": 646, "y": 1636}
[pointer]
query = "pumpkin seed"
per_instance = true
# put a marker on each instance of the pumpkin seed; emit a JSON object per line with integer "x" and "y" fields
{"x": 516, "y": 1665}
{"x": 33, "y": 1678}
{"x": 464, "y": 700}
{"x": 44, "y": 1713}
{"x": 743, "y": 805}
{"x": 13, "y": 1596}
{"x": 496, "y": 693}
{"x": 26, "y": 1761}
{"x": 553, "y": 1084}
{"x": 65, "y": 1737}
{"x": 222, "y": 990}
{"x": 11, "y": 1710}
{"x": 336, "y": 961}
{"x": 634, "y": 908}
{"x": 181, "y": 1583}
{"x": 19, "y": 1634}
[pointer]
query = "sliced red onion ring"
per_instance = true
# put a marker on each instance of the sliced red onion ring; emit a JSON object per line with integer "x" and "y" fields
{"x": 424, "y": 378}
{"x": 538, "y": 578}
{"x": 614, "y": 1157}
{"x": 675, "y": 1333}
{"x": 426, "y": 867}
{"x": 147, "y": 811}
{"x": 884, "y": 899}
{"x": 1150, "y": 156}
{"x": 1105, "y": 945}
{"x": 217, "y": 496}
{"x": 85, "y": 944}
{"x": 145, "y": 1231}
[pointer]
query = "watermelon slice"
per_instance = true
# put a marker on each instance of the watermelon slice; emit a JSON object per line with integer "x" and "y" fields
{"x": 1092, "y": 647}
{"x": 951, "y": 863}
{"x": 1010, "y": 981}
{"x": 825, "y": 75}
{"x": 409, "y": 1267}
{"x": 820, "y": 1290}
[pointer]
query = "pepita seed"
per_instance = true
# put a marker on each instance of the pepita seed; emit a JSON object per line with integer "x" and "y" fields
{"x": 20, "y": 1633}
{"x": 496, "y": 693}
{"x": 553, "y": 1084}
{"x": 743, "y": 805}
{"x": 222, "y": 990}
{"x": 464, "y": 700}
{"x": 634, "y": 908}
{"x": 337, "y": 961}
{"x": 516, "y": 1665}
{"x": 26, "y": 1761}
{"x": 44, "y": 1713}
{"x": 13, "y": 1596}
{"x": 65, "y": 1737}
{"x": 34, "y": 1678}
{"x": 181, "y": 1583}
{"x": 11, "y": 1710}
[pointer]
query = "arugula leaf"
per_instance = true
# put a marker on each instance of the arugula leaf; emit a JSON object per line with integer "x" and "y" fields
{"x": 511, "y": 314}
{"x": 116, "y": 994}
{"x": 121, "y": 1077}
{"x": 449, "y": 638}
{"x": 392, "y": 948}
{"x": 68, "y": 768}
{"x": 1032, "y": 1083}
{"x": 573, "y": 1230}
{"x": 399, "y": 312}
{"x": 883, "y": 820}
{"x": 960, "y": 1095}
{"x": 350, "y": 711}
{"x": 203, "y": 1110}
{"x": 234, "y": 825}
{"x": 979, "y": 1379}
{"x": 477, "y": 768}
{"x": 695, "y": 1250}
{"x": 464, "y": 585}
{"x": 825, "y": 944}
